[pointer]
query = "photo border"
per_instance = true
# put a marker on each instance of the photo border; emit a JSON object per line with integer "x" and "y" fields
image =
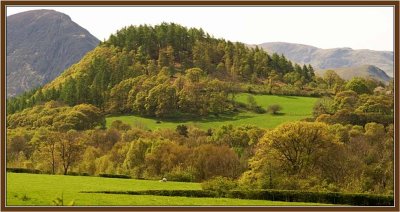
{"x": 396, "y": 23}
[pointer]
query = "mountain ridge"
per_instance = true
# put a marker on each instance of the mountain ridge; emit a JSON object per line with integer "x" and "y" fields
{"x": 364, "y": 71}
{"x": 332, "y": 58}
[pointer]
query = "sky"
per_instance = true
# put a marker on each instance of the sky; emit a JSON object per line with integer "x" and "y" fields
{"x": 323, "y": 27}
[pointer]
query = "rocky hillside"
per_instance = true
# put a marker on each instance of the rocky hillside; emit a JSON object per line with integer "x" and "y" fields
{"x": 41, "y": 44}
{"x": 335, "y": 58}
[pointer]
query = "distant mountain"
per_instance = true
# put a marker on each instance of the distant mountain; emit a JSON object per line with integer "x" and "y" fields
{"x": 360, "y": 71}
{"x": 335, "y": 58}
{"x": 40, "y": 45}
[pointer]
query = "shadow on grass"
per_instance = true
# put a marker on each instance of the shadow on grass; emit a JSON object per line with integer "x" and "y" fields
{"x": 183, "y": 118}
{"x": 278, "y": 114}
{"x": 288, "y": 97}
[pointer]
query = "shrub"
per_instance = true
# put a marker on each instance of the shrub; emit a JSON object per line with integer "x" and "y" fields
{"x": 252, "y": 105}
{"x": 259, "y": 110}
{"x": 119, "y": 125}
{"x": 77, "y": 174}
{"x": 24, "y": 170}
{"x": 221, "y": 185}
{"x": 181, "y": 175}
{"x": 182, "y": 130}
{"x": 115, "y": 176}
{"x": 274, "y": 109}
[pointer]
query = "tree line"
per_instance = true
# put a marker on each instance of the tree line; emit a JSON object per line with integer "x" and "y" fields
{"x": 293, "y": 156}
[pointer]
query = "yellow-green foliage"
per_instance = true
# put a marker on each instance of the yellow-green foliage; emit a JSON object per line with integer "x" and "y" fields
{"x": 82, "y": 66}
{"x": 57, "y": 116}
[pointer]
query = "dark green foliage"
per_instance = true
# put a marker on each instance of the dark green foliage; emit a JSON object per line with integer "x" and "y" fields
{"x": 359, "y": 85}
{"x": 115, "y": 176}
{"x": 178, "y": 193}
{"x": 21, "y": 101}
{"x": 182, "y": 130}
{"x": 23, "y": 170}
{"x": 320, "y": 197}
{"x": 274, "y": 195}
{"x": 77, "y": 174}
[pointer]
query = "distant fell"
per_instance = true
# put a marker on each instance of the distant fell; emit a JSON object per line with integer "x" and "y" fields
{"x": 40, "y": 45}
{"x": 334, "y": 58}
{"x": 366, "y": 71}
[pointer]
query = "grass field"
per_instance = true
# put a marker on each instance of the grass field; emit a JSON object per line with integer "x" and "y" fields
{"x": 39, "y": 189}
{"x": 293, "y": 108}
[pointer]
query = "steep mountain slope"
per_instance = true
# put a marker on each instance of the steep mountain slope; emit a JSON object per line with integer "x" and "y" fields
{"x": 332, "y": 58}
{"x": 360, "y": 71}
{"x": 40, "y": 45}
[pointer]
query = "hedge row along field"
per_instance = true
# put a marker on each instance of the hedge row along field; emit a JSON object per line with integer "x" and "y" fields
{"x": 274, "y": 195}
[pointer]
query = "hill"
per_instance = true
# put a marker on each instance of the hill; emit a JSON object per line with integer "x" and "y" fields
{"x": 365, "y": 71}
{"x": 334, "y": 58}
{"x": 40, "y": 45}
{"x": 166, "y": 70}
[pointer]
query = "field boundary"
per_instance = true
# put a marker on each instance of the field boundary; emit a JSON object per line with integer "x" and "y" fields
{"x": 273, "y": 195}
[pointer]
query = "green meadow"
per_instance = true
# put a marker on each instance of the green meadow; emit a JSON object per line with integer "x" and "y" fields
{"x": 42, "y": 190}
{"x": 293, "y": 108}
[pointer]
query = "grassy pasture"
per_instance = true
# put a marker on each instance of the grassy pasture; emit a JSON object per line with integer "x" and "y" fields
{"x": 293, "y": 108}
{"x": 40, "y": 189}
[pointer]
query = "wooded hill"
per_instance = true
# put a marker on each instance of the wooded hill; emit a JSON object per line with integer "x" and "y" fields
{"x": 140, "y": 63}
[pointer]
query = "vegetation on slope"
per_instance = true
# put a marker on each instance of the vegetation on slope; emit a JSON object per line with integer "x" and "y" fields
{"x": 165, "y": 54}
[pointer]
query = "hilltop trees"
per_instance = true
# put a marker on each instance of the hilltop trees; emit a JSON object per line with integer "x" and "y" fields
{"x": 110, "y": 70}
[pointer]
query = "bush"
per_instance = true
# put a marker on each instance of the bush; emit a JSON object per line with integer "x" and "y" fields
{"x": 24, "y": 170}
{"x": 221, "y": 185}
{"x": 252, "y": 105}
{"x": 77, "y": 174}
{"x": 182, "y": 130}
{"x": 259, "y": 110}
{"x": 181, "y": 175}
{"x": 115, "y": 176}
{"x": 274, "y": 109}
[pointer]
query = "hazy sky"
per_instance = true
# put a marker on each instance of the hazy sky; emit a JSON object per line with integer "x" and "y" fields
{"x": 324, "y": 27}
